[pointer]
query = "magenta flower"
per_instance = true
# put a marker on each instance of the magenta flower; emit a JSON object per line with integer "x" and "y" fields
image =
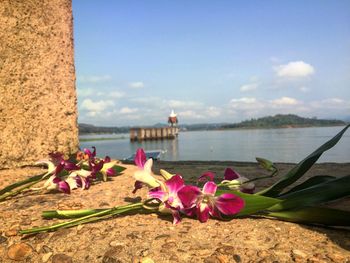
{"x": 167, "y": 194}
{"x": 204, "y": 203}
{"x": 207, "y": 176}
{"x": 61, "y": 185}
{"x": 237, "y": 181}
{"x": 144, "y": 173}
{"x": 90, "y": 154}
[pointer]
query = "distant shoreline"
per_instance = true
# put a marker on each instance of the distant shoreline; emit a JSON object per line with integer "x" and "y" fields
{"x": 217, "y": 129}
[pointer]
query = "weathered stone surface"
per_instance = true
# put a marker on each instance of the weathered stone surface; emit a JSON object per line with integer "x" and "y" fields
{"x": 19, "y": 251}
{"x": 38, "y": 112}
{"x": 140, "y": 237}
{"x": 61, "y": 258}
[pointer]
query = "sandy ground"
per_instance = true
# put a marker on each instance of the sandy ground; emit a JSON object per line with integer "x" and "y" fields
{"x": 153, "y": 238}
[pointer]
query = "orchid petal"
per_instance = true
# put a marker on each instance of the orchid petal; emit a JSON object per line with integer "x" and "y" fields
{"x": 230, "y": 174}
{"x": 209, "y": 188}
{"x": 166, "y": 175}
{"x": 176, "y": 216}
{"x": 188, "y": 195}
{"x": 137, "y": 186}
{"x": 146, "y": 178}
{"x": 148, "y": 165}
{"x": 175, "y": 183}
{"x": 88, "y": 152}
{"x": 56, "y": 180}
{"x": 73, "y": 182}
{"x": 94, "y": 152}
{"x": 69, "y": 166}
{"x": 111, "y": 172}
{"x": 140, "y": 158}
{"x": 158, "y": 194}
{"x": 63, "y": 186}
{"x": 203, "y": 212}
{"x": 229, "y": 204}
{"x": 207, "y": 176}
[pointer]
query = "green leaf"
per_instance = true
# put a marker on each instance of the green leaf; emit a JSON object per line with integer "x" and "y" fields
{"x": 266, "y": 164}
{"x": 316, "y": 194}
{"x": 118, "y": 169}
{"x": 318, "y": 179}
{"x": 20, "y": 183}
{"x": 253, "y": 203}
{"x": 314, "y": 215}
{"x": 302, "y": 167}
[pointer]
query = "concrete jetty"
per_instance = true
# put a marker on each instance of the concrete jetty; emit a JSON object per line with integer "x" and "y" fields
{"x": 144, "y": 133}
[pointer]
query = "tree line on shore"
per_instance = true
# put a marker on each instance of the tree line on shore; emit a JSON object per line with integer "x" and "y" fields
{"x": 277, "y": 121}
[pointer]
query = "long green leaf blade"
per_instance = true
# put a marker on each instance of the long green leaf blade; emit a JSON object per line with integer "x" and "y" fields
{"x": 314, "y": 215}
{"x": 318, "y": 179}
{"x": 302, "y": 167}
{"x": 18, "y": 184}
{"x": 317, "y": 194}
{"x": 253, "y": 203}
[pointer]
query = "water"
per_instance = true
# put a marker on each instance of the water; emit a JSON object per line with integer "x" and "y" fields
{"x": 278, "y": 145}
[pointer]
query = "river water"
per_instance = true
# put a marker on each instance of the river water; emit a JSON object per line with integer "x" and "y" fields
{"x": 278, "y": 145}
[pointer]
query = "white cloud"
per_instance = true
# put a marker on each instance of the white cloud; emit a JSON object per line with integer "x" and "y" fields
{"x": 285, "y": 101}
{"x": 304, "y": 89}
{"x": 190, "y": 114}
{"x": 331, "y": 103}
{"x": 127, "y": 110}
{"x": 249, "y": 87}
{"x": 116, "y": 94}
{"x": 183, "y": 104}
{"x": 93, "y": 79}
{"x": 245, "y": 100}
{"x": 294, "y": 69}
{"x": 85, "y": 92}
{"x": 96, "y": 106}
{"x": 136, "y": 85}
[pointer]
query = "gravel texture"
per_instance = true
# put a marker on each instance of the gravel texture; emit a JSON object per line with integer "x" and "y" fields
{"x": 153, "y": 238}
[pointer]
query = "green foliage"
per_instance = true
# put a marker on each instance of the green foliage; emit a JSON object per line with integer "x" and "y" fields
{"x": 302, "y": 167}
{"x": 280, "y": 121}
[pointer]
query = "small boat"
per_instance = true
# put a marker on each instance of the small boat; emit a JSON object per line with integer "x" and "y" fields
{"x": 154, "y": 154}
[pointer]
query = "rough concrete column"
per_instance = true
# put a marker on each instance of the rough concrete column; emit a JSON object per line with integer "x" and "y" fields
{"x": 38, "y": 104}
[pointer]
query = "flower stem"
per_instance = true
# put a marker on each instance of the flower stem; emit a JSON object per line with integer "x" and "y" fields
{"x": 35, "y": 178}
{"x": 85, "y": 219}
{"x": 19, "y": 190}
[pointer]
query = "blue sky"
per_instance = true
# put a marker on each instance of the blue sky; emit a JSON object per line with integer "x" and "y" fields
{"x": 210, "y": 61}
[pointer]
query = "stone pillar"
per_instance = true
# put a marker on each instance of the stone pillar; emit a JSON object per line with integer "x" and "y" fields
{"x": 38, "y": 103}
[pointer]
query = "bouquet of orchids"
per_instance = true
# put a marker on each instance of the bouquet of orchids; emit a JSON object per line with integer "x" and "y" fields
{"x": 64, "y": 175}
{"x": 231, "y": 198}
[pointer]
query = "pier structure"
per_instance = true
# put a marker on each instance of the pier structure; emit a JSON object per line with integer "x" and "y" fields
{"x": 142, "y": 133}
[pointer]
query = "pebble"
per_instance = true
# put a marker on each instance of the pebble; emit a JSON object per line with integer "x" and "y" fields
{"x": 46, "y": 249}
{"x": 115, "y": 244}
{"x": 19, "y": 251}
{"x": 46, "y": 257}
{"x": 11, "y": 233}
{"x": 61, "y": 258}
{"x": 298, "y": 253}
{"x": 3, "y": 239}
{"x": 146, "y": 260}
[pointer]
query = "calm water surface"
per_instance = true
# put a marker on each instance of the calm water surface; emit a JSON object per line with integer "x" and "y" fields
{"x": 278, "y": 145}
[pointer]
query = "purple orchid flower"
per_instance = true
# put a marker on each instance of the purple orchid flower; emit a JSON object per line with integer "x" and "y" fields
{"x": 207, "y": 176}
{"x": 144, "y": 175}
{"x": 167, "y": 194}
{"x": 204, "y": 203}
{"x": 231, "y": 176}
{"x": 90, "y": 154}
{"x": 61, "y": 185}
{"x": 95, "y": 167}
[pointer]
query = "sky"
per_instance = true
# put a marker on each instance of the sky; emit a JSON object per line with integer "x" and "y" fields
{"x": 210, "y": 61}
